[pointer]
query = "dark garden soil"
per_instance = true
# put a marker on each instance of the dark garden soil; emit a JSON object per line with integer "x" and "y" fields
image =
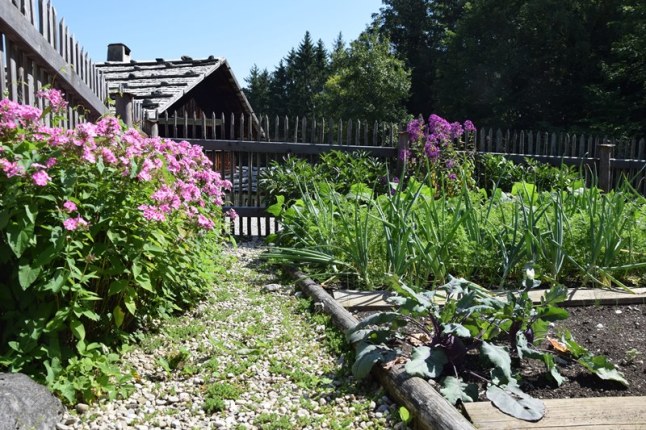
{"x": 618, "y": 332}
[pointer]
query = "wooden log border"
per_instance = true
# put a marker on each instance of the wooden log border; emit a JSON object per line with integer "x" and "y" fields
{"x": 431, "y": 410}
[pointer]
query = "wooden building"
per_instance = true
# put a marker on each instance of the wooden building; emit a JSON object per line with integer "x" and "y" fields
{"x": 184, "y": 98}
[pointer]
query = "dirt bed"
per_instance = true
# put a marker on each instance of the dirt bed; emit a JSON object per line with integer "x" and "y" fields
{"x": 618, "y": 332}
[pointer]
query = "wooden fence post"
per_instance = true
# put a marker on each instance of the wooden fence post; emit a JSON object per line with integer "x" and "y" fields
{"x": 605, "y": 165}
{"x": 402, "y": 151}
{"x": 123, "y": 107}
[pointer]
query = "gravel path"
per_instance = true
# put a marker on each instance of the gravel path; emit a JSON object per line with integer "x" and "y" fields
{"x": 244, "y": 359}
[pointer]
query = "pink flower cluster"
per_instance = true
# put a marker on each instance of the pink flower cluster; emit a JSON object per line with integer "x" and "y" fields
{"x": 181, "y": 175}
{"x": 55, "y": 98}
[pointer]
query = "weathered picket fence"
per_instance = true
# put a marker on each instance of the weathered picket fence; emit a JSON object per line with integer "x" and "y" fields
{"x": 37, "y": 50}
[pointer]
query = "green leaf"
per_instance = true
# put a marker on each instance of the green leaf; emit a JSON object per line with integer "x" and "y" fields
{"x": 454, "y": 389}
{"x": 499, "y": 357}
{"x": 556, "y": 294}
{"x": 117, "y": 286}
{"x": 552, "y": 313}
{"x": 129, "y": 301}
{"x": 512, "y": 401}
{"x": 19, "y": 237}
{"x": 56, "y": 283}
{"x": 404, "y": 415}
{"x": 524, "y": 349}
{"x": 456, "y": 329}
{"x": 548, "y": 359}
{"x": 426, "y": 362}
{"x": 277, "y": 207}
{"x": 143, "y": 281}
{"x": 27, "y": 275}
{"x": 604, "y": 369}
{"x": 78, "y": 329}
{"x": 367, "y": 356}
{"x": 118, "y": 315}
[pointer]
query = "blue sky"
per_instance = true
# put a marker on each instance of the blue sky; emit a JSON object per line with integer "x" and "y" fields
{"x": 244, "y": 32}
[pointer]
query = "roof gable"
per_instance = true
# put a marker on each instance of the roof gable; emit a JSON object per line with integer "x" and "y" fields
{"x": 158, "y": 84}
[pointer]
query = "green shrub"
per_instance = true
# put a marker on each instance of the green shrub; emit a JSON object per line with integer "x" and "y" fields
{"x": 100, "y": 228}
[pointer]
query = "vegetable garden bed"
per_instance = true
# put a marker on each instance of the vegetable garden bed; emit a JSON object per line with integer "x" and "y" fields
{"x": 614, "y": 331}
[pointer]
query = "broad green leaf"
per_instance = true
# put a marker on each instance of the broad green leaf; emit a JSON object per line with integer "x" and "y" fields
{"x": 552, "y": 313}
{"x": 426, "y": 362}
{"x": 56, "y": 283}
{"x": 499, "y": 357}
{"x": 117, "y": 286}
{"x": 136, "y": 269}
{"x": 367, "y": 356}
{"x": 456, "y": 329}
{"x": 143, "y": 281}
{"x": 454, "y": 389}
{"x": 524, "y": 349}
{"x": 604, "y": 369}
{"x": 556, "y": 294}
{"x": 19, "y": 237}
{"x": 377, "y": 319}
{"x": 78, "y": 329}
{"x": 118, "y": 315}
{"x": 512, "y": 401}
{"x": 27, "y": 275}
{"x": 277, "y": 207}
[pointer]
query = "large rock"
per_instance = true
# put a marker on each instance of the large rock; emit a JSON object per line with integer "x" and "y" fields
{"x": 26, "y": 405}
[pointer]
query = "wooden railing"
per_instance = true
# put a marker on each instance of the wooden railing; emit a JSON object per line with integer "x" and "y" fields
{"x": 37, "y": 50}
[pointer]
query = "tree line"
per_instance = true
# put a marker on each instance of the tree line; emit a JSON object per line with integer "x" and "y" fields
{"x": 577, "y": 65}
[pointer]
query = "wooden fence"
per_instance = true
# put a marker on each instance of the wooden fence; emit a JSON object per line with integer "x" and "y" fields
{"x": 608, "y": 158}
{"x": 37, "y": 50}
{"x": 242, "y": 146}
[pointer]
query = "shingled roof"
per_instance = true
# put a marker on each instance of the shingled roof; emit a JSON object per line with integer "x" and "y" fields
{"x": 163, "y": 85}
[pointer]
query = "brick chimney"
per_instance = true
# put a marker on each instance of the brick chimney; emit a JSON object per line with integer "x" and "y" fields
{"x": 118, "y": 52}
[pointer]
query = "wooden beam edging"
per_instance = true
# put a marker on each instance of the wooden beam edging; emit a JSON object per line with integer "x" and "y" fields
{"x": 431, "y": 410}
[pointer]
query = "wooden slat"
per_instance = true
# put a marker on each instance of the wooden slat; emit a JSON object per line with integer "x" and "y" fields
{"x": 590, "y": 413}
{"x": 376, "y": 300}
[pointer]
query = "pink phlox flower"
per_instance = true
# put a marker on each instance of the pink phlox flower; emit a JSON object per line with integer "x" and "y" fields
{"x": 231, "y": 213}
{"x": 41, "y": 178}
{"x": 88, "y": 155}
{"x": 468, "y": 126}
{"x": 152, "y": 213}
{"x": 108, "y": 156}
{"x": 51, "y": 162}
{"x": 189, "y": 192}
{"x": 108, "y": 126}
{"x": 55, "y": 97}
{"x": 69, "y": 206}
{"x": 166, "y": 196}
{"x": 404, "y": 154}
{"x": 38, "y": 166}
{"x": 204, "y": 222}
{"x": 11, "y": 169}
{"x": 450, "y": 163}
{"x": 72, "y": 224}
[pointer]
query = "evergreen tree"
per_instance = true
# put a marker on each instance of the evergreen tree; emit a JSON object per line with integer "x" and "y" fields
{"x": 257, "y": 90}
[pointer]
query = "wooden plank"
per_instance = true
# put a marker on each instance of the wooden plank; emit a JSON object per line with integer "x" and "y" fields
{"x": 376, "y": 300}
{"x": 3, "y": 75}
{"x": 288, "y": 147}
{"x": 589, "y": 413}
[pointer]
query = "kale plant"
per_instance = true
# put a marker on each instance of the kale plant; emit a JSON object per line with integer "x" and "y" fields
{"x": 466, "y": 322}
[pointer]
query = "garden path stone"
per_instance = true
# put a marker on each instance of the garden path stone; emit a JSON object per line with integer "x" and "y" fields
{"x": 27, "y": 405}
{"x": 241, "y": 359}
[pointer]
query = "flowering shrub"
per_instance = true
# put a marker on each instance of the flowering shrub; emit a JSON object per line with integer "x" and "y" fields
{"x": 440, "y": 149}
{"x": 99, "y": 227}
